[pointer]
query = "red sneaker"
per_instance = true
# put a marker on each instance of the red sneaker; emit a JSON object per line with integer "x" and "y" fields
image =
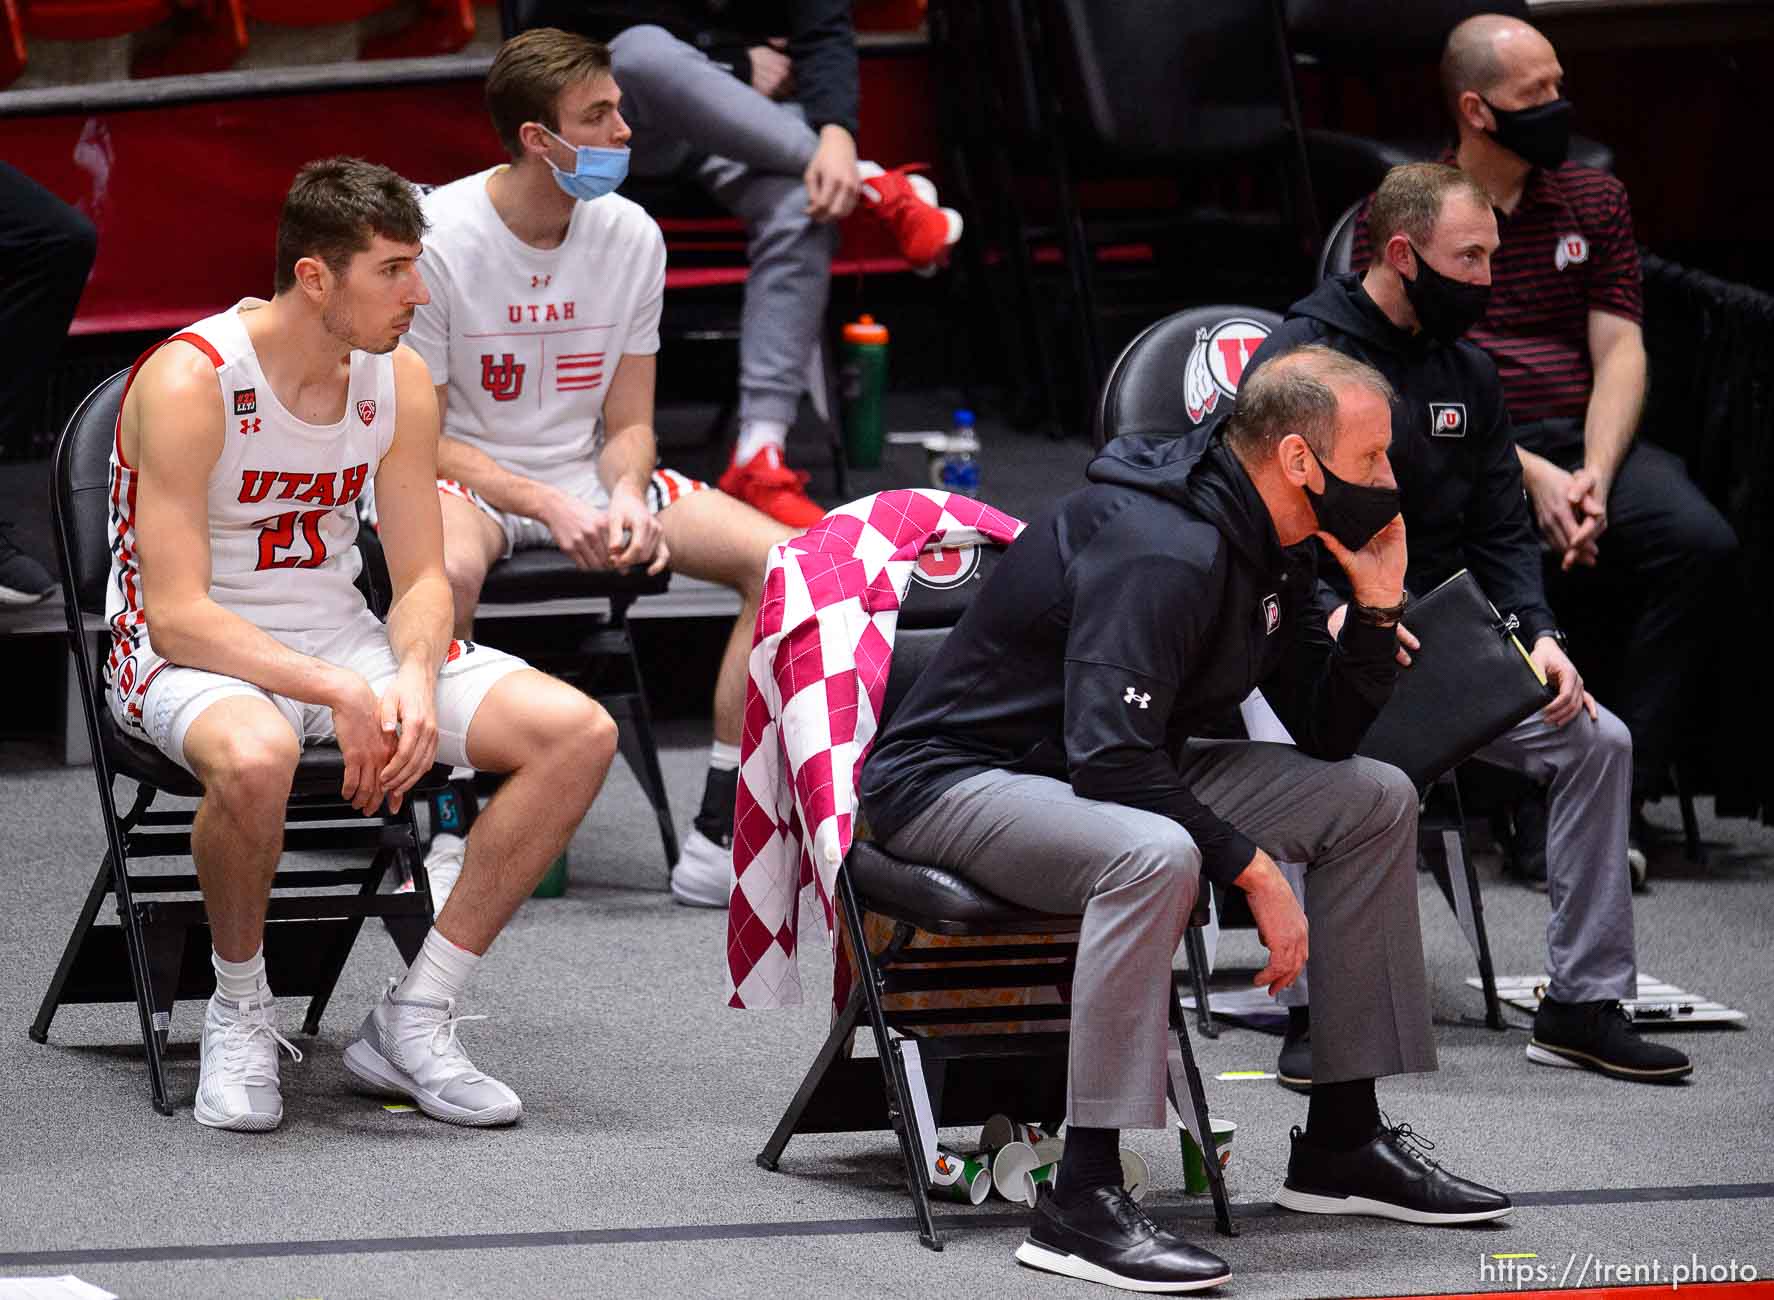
{"x": 906, "y": 205}
{"x": 766, "y": 484}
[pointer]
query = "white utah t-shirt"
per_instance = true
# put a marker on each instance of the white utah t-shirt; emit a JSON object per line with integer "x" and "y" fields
{"x": 528, "y": 338}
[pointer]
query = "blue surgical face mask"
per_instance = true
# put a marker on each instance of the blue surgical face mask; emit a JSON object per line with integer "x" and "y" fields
{"x": 595, "y": 171}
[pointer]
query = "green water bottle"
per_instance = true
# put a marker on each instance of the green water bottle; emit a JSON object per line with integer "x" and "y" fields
{"x": 864, "y": 376}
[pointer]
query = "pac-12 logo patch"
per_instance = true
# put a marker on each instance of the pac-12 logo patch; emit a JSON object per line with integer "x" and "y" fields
{"x": 366, "y": 411}
{"x": 246, "y": 401}
{"x": 1447, "y": 419}
{"x": 1271, "y": 613}
{"x": 1572, "y": 249}
{"x": 1217, "y": 362}
{"x": 946, "y": 566}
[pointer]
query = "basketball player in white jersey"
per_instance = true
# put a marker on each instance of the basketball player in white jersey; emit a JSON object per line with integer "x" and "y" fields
{"x": 238, "y": 636}
{"x": 541, "y": 335}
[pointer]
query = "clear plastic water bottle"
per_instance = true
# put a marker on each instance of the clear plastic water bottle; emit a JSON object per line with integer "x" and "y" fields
{"x": 960, "y": 462}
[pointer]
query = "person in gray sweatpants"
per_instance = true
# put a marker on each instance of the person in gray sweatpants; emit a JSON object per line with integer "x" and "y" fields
{"x": 769, "y": 131}
{"x": 1052, "y": 752}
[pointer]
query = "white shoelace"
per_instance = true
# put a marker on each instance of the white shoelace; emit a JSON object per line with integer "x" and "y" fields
{"x": 238, "y": 1038}
{"x": 449, "y": 1047}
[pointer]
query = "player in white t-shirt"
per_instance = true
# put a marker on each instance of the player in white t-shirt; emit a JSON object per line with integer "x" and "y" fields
{"x": 237, "y": 634}
{"x": 541, "y": 336}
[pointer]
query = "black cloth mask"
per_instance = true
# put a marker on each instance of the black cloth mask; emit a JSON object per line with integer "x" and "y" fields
{"x": 1540, "y": 135}
{"x": 1350, "y": 512}
{"x": 1446, "y": 308}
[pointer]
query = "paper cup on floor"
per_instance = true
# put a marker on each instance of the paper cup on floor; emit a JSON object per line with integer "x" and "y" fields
{"x": 1011, "y": 1165}
{"x": 1001, "y": 1130}
{"x": 966, "y": 1179}
{"x": 1039, "y": 1180}
{"x": 1194, "y": 1172}
{"x": 1136, "y": 1175}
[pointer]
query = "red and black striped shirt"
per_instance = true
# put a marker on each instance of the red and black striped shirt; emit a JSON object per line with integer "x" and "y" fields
{"x": 1565, "y": 251}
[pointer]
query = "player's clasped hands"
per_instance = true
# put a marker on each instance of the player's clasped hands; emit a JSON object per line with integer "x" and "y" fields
{"x": 620, "y": 536}
{"x": 366, "y": 747}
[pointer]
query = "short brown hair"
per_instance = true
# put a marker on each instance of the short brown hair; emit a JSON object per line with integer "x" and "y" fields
{"x": 1296, "y": 393}
{"x": 335, "y": 207}
{"x": 1410, "y": 199}
{"x": 530, "y": 71}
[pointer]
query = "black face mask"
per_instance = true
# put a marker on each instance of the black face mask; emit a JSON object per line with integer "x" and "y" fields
{"x": 1350, "y": 512}
{"x": 1446, "y": 308}
{"x": 1540, "y": 135}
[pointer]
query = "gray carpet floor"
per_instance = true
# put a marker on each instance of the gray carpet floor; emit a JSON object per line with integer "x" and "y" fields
{"x": 646, "y": 1100}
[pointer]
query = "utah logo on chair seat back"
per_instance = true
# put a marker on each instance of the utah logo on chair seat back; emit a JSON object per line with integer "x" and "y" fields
{"x": 1217, "y": 362}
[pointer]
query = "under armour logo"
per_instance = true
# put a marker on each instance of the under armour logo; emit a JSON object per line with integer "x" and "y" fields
{"x": 540, "y": 281}
{"x": 1135, "y": 697}
{"x": 249, "y": 426}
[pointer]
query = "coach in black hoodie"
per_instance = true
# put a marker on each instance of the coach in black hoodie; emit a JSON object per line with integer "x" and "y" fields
{"x": 1049, "y": 754}
{"x": 1460, "y": 480}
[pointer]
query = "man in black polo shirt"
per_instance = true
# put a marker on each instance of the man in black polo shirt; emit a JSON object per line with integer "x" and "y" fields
{"x": 1460, "y": 484}
{"x": 1563, "y": 326}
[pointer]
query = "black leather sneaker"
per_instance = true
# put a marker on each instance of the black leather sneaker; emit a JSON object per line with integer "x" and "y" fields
{"x": 1103, "y": 1236}
{"x": 1293, "y": 1068}
{"x": 1598, "y": 1036}
{"x": 1392, "y": 1177}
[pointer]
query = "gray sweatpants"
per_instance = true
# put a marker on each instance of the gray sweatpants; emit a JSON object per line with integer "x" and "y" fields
{"x": 1587, "y": 767}
{"x": 693, "y": 117}
{"x": 1134, "y": 874}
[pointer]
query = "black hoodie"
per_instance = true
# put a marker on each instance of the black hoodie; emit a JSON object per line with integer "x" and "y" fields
{"x": 1452, "y": 449}
{"x": 1133, "y": 614}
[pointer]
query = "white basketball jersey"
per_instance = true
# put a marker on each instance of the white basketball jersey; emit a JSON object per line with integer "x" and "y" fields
{"x": 282, "y": 496}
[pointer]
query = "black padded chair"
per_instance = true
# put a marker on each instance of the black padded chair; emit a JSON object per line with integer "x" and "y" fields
{"x": 158, "y": 950}
{"x": 968, "y": 1077}
{"x": 1205, "y": 348}
{"x": 524, "y": 603}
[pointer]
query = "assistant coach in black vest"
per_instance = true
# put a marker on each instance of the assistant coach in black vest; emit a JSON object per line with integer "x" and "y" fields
{"x": 1049, "y": 754}
{"x": 1461, "y": 485}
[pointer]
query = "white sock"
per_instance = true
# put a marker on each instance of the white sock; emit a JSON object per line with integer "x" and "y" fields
{"x": 241, "y": 981}
{"x": 755, "y": 435}
{"x": 440, "y": 972}
{"x": 723, "y": 757}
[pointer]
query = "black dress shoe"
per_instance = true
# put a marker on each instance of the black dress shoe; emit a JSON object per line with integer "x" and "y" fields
{"x": 1598, "y": 1036}
{"x": 1390, "y": 1177}
{"x": 1293, "y": 1068}
{"x": 1103, "y": 1236}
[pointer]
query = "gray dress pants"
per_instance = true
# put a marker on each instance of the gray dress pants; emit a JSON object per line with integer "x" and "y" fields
{"x": 1133, "y": 875}
{"x": 1587, "y": 768}
{"x": 693, "y": 117}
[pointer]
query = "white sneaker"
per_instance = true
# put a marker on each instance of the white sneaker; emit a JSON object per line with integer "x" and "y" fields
{"x": 410, "y": 1047}
{"x": 443, "y": 866}
{"x": 237, "y": 1081}
{"x": 704, "y": 874}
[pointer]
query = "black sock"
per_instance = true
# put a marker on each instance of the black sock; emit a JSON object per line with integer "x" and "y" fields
{"x": 1342, "y": 1116}
{"x": 1091, "y": 1159}
{"x": 1299, "y": 1021}
{"x": 715, "y": 820}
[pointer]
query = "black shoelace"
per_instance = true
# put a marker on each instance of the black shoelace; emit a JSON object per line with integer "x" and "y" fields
{"x": 1129, "y": 1215}
{"x": 1412, "y": 1143}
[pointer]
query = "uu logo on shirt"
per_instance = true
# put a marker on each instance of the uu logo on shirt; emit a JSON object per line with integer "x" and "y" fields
{"x": 1447, "y": 419}
{"x": 1572, "y": 249}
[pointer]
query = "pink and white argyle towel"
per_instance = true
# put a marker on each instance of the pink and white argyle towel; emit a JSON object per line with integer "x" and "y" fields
{"x": 819, "y": 660}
